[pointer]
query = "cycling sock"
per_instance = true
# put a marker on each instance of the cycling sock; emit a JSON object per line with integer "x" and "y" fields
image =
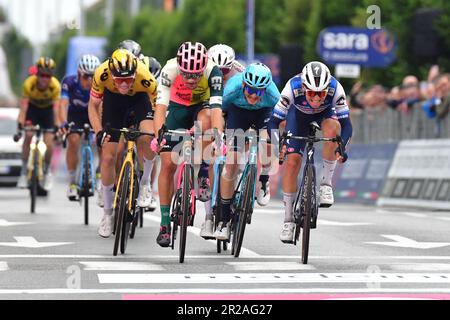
{"x": 148, "y": 166}
{"x": 165, "y": 215}
{"x": 264, "y": 179}
{"x": 226, "y": 209}
{"x": 72, "y": 177}
{"x": 327, "y": 171}
{"x": 24, "y": 169}
{"x": 203, "y": 172}
{"x": 208, "y": 210}
{"x": 288, "y": 199}
{"x": 108, "y": 196}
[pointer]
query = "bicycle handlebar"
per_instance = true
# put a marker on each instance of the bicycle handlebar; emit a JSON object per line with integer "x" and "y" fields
{"x": 36, "y": 128}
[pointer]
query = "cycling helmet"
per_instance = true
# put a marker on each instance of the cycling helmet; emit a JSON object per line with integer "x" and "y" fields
{"x": 132, "y": 46}
{"x": 222, "y": 55}
{"x": 316, "y": 76}
{"x": 192, "y": 57}
{"x": 88, "y": 63}
{"x": 257, "y": 75}
{"x": 122, "y": 63}
{"x": 46, "y": 65}
{"x": 153, "y": 65}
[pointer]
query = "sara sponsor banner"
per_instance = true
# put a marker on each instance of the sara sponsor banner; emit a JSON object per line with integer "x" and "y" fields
{"x": 419, "y": 175}
{"x": 361, "y": 178}
{"x": 349, "y": 45}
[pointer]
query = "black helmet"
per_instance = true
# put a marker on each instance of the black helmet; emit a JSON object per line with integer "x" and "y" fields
{"x": 132, "y": 46}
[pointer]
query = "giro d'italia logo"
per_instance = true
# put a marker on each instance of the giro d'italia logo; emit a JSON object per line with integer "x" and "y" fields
{"x": 382, "y": 41}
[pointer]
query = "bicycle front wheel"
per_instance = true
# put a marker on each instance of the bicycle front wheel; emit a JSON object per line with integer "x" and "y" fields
{"x": 34, "y": 182}
{"x": 121, "y": 206}
{"x": 85, "y": 188}
{"x": 244, "y": 211}
{"x": 185, "y": 207}
{"x": 306, "y": 221}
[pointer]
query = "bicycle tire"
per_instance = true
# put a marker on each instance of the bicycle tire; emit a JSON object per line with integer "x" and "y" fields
{"x": 136, "y": 210}
{"x": 306, "y": 225}
{"x": 128, "y": 216}
{"x": 134, "y": 226}
{"x": 87, "y": 166}
{"x": 185, "y": 210}
{"x": 245, "y": 210}
{"x": 217, "y": 210}
{"x": 34, "y": 183}
{"x": 120, "y": 207}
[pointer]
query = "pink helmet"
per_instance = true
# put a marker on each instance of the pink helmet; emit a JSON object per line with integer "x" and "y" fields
{"x": 192, "y": 57}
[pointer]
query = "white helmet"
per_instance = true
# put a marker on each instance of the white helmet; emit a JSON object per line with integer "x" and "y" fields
{"x": 316, "y": 76}
{"x": 222, "y": 55}
{"x": 88, "y": 63}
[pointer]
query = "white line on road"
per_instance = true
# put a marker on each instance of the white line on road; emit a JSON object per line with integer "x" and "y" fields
{"x": 196, "y": 231}
{"x": 225, "y": 291}
{"x": 228, "y": 278}
{"x": 421, "y": 266}
{"x": 259, "y": 265}
{"x": 342, "y": 224}
{"x": 226, "y": 256}
{"x": 120, "y": 266}
{"x": 4, "y": 266}
{"x": 30, "y": 242}
{"x": 403, "y": 242}
{"x": 6, "y": 223}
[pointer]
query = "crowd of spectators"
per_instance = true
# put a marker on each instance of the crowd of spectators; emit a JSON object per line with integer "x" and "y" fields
{"x": 432, "y": 95}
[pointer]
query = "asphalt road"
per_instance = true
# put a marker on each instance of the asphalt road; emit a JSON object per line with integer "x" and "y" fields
{"x": 356, "y": 251}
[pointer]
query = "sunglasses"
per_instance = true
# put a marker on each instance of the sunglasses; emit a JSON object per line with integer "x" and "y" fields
{"x": 251, "y": 90}
{"x": 86, "y": 76}
{"x": 321, "y": 94}
{"x": 44, "y": 75}
{"x": 127, "y": 80}
{"x": 191, "y": 75}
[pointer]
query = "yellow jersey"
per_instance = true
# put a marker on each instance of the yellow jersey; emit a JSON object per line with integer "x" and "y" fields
{"x": 144, "y": 82}
{"x": 41, "y": 98}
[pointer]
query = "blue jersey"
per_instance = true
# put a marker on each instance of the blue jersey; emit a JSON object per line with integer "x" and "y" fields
{"x": 234, "y": 95}
{"x": 72, "y": 91}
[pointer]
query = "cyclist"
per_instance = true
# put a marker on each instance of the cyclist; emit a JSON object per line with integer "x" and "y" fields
{"x": 73, "y": 108}
{"x": 224, "y": 57}
{"x": 190, "y": 90}
{"x": 41, "y": 95}
{"x": 152, "y": 65}
{"x": 122, "y": 83}
{"x": 248, "y": 100}
{"x": 316, "y": 96}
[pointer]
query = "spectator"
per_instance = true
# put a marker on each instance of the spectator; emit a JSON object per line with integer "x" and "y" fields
{"x": 443, "y": 95}
{"x": 394, "y": 98}
{"x": 410, "y": 93}
{"x": 375, "y": 97}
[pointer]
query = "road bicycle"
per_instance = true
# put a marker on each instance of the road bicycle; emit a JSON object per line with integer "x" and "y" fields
{"x": 35, "y": 163}
{"x": 306, "y": 205}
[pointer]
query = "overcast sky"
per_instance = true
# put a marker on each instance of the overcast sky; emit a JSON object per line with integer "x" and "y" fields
{"x": 37, "y": 18}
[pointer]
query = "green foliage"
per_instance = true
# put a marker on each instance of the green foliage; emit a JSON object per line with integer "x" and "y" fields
{"x": 58, "y": 51}
{"x": 14, "y": 44}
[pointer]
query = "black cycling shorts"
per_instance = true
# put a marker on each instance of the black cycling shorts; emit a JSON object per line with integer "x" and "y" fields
{"x": 117, "y": 107}
{"x": 44, "y": 117}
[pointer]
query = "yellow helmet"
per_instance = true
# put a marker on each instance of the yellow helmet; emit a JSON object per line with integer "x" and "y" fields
{"x": 122, "y": 63}
{"x": 46, "y": 65}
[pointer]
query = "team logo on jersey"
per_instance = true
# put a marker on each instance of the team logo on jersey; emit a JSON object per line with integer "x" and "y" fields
{"x": 298, "y": 92}
{"x": 341, "y": 101}
{"x": 331, "y": 91}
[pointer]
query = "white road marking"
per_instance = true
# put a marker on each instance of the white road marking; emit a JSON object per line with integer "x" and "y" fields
{"x": 414, "y": 215}
{"x": 341, "y": 224}
{"x": 6, "y": 223}
{"x": 223, "y": 291}
{"x": 228, "y": 278}
{"x": 245, "y": 253}
{"x": 209, "y": 257}
{"x": 259, "y": 265}
{"x": 421, "y": 266}
{"x": 443, "y": 218}
{"x": 402, "y": 242}
{"x": 4, "y": 266}
{"x": 120, "y": 266}
{"x": 30, "y": 242}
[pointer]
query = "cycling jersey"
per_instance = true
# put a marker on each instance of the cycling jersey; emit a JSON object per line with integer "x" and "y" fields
{"x": 172, "y": 88}
{"x": 335, "y": 102}
{"x": 235, "y": 69}
{"x": 41, "y": 98}
{"x": 234, "y": 95}
{"x": 72, "y": 91}
{"x": 144, "y": 82}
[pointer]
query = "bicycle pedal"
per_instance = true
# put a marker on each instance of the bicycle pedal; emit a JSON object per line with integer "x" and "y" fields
{"x": 325, "y": 205}
{"x": 288, "y": 242}
{"x": 74, "y": 199}
{"x": 209, "y": 238}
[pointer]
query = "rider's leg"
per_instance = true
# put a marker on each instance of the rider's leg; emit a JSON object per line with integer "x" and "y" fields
{"x": 227, "y": 183}
{"x": 73, "y": 145}
{"x": 109, "y": 154}
{"x": 203, "y": 118}
{"x": 165, "y": 185}
{"x": 49, "y": 140}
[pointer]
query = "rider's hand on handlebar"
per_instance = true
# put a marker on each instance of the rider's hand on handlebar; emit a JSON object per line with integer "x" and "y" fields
{"x": 341, "y": 158}
{"x": 156, "y": 148}
{"x": 102, "y": 137}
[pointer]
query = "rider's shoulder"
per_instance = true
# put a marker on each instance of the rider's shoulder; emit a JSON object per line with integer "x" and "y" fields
{"x": 234, "y": 83}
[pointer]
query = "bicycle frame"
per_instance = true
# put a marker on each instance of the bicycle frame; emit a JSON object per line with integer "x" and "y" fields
{"x": 86, "y": 149}
{"x": 129, "y": 158}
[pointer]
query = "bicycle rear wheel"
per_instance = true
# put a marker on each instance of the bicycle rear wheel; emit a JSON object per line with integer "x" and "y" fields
{"x": 185, "y": 208}
{"x": 120, "y": 209}
{"x": 306, "y": 221}
{"x": 244, "y": 211}
{"x": 34, "y": 182}
{"x": 128, "y": 216}
{"x": 86, "y": 174}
